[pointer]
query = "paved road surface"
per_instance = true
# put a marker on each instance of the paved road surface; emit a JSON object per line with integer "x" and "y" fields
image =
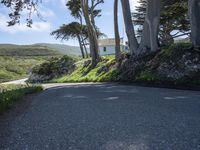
{"x": 104, "y": 117}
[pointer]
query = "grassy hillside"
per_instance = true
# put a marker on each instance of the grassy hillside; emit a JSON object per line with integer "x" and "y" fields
{"x": 105, "y": 71}
{"x": 26, "y": 50}
{"x": 13, "y": 68}
{"x": 63, "y": 49}
{"x": 16, "y": 61}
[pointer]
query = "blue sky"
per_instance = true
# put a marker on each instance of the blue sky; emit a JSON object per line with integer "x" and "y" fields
{"x": 55, "y": 14}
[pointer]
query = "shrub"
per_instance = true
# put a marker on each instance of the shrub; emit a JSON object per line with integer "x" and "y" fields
{"x": 55, "y": 66}
{"x": 176, "y": 49}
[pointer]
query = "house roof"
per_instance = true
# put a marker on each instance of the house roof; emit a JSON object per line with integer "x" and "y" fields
{"x": 109, "y": 42}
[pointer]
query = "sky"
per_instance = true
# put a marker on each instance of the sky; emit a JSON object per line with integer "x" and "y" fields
{"x": 54, "y": 14}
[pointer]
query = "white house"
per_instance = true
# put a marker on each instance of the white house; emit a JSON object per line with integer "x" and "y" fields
{"x": 107, "y": 46}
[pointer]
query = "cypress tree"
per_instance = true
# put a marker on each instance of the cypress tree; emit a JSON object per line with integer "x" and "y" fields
{"x": 173, "y": 22}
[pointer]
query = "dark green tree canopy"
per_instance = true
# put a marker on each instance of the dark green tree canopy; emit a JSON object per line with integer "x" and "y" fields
{"x": 67, "y": 31}
{"x": 71, "y": 30}
{"x": 75, "y": 7}
{"x": 174, "y": 17}
{"x": 17, "y": 6}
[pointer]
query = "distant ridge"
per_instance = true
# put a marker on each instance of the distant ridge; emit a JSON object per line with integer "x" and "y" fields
{"x": 38, "y": 49}
{"x": 62, "y": 48}
{"x": 26, "y": 50}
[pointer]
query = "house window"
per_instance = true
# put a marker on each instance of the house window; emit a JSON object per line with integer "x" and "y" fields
{"x": 104, "y": 49}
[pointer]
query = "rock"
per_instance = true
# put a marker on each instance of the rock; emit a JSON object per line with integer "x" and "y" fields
{"x": 177, "y": 67}
{"x": 181, "y": 64}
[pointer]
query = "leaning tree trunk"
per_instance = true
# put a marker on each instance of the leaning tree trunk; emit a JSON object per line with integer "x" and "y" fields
{"x": 194, "y": 13}
{"x": 94, "y": 46}
{"x": 116, "y": 27}
{"x": 85, "y": 48}
{"x": 82, "y": 39}
{"x": 133, "y": 43}
{"x": 149, "y": 39}
{"x": 92, "y": 16}
{"x": 81, "y": 46}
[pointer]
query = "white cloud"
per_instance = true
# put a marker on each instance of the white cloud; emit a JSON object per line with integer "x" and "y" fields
{"x": 36, "y": 27}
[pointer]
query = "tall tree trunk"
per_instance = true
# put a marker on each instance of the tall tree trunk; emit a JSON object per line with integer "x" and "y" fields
{"x": 94, "y": 46}
{"x": 81, "y": 46}
{"x": 92, "y": 16}
{"x": 86, "y": 52}
{"x": 84, "y": 46}
{"x": 194, "y": 13}
{"x": 149, "y": 39}
{"x": 133, "y": 43}
{"x": 82, "y": 39}
{"x": 116, "y": 27}
{"x": 145, "y": 44}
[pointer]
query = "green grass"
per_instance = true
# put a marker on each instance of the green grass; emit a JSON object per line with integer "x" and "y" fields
{"x": 104, "y": 71}
{"x": 13, "y": 68}
{"x": 10, "y": 94}
{"x": 16, "y": 61}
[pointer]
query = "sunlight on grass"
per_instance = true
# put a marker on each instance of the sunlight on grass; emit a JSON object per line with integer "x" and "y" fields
{"x": 104, "y": 71}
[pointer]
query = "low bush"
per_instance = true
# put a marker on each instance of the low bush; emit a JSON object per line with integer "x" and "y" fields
{"x": 176, "y": 49}
{"x": 54, "y": 66}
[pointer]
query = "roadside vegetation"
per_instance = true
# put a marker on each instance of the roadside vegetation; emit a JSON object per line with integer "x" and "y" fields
{"x": 13, "y": 68}
{"x": 52, "y": 68}
{"x": 17, "y": 61}
{"x": 103, "y": 72}
{"x": 10, "y": 94}
{"x": 176, "y": 65}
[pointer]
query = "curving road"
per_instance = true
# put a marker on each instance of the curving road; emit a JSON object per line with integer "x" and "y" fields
{"x": 104, "y": 117}
{"x": 21, "y": 81}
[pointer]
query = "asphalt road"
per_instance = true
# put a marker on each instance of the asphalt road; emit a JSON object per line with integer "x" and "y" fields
{"x": 104, "y": 117}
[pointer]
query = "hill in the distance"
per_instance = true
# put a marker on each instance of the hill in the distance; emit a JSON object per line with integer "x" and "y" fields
{"x": 63, "y": 49}
{"x": 40, "y": 49}
{"x": 16, "y": 61}
{"x": 26, "y": 50}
